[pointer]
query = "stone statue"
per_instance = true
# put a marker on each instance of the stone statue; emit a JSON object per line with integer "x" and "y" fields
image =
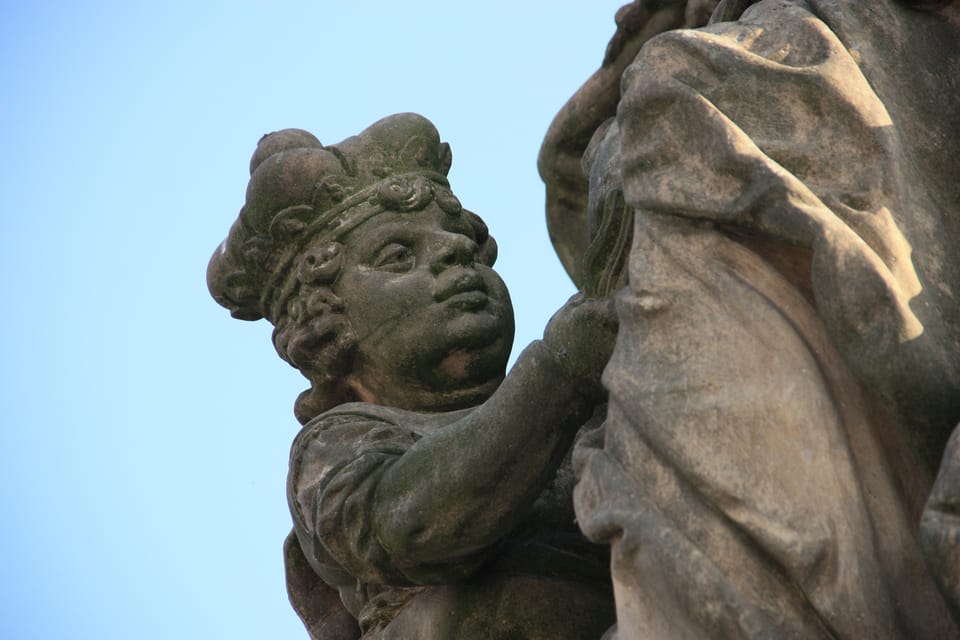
{"x": 785, "y": 185}
{"x": 431, "y": 495}
{"x": 771, "y": 191}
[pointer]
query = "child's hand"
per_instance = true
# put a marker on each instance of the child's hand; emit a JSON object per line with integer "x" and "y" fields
{"x": 581, "y": 335}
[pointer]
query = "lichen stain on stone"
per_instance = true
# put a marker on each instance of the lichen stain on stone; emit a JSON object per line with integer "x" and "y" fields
{"x": 455, "y": 365}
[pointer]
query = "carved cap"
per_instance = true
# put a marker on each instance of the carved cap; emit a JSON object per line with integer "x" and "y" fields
{"x": 300, "y": 189}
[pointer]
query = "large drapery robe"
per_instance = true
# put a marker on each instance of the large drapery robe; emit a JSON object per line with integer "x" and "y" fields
{"x": 788, "y": 363}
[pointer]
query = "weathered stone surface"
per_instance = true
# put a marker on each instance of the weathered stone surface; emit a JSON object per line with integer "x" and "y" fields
{"x": 774, "y": 199}
{"x": 570, "y": 132}
{"x": 431, "y": 495}
{"x": 788, "y": 363}
{"x": 940, "y": 526}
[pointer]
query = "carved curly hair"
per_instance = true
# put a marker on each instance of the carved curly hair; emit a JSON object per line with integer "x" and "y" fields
{"x": 282, "y": 256}
{"x": 315, "y": 337}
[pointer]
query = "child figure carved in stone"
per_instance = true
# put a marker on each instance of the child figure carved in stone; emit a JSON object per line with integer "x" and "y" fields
{"x": 430, "y": 493}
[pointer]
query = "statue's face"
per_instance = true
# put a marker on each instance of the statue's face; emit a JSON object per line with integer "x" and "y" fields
{"x": 434, "y": 326}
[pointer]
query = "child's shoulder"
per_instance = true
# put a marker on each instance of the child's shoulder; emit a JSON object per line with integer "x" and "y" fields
{"x": 359, "y": 425}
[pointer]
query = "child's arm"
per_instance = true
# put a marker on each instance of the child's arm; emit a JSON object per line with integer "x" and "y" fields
{"x": 462, "y": 488}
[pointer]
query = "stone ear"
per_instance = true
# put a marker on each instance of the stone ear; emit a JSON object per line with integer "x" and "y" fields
{"x": 290, "y": 221}
{"x": 321, "y": 264}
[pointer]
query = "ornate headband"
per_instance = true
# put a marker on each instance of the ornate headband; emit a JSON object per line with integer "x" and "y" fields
{"x": 301, "y": 190}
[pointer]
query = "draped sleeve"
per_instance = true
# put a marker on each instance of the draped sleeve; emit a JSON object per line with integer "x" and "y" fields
{"x": 336, "y": 464}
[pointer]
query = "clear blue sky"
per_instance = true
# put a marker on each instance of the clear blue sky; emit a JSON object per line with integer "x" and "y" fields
{"x": 144, "y": 433}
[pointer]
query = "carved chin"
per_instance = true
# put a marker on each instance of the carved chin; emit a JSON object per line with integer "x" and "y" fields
{"x": 463, "y": 369}
{"x": 456, "y": 365}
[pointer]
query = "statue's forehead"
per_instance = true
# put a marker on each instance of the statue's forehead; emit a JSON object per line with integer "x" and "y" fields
{"x": 388, "y": 223}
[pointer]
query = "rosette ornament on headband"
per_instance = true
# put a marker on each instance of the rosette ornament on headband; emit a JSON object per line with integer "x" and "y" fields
{"x": 301, "y": 191}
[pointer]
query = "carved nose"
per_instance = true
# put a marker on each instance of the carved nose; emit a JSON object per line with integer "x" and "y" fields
{"x": 455, "y": 250}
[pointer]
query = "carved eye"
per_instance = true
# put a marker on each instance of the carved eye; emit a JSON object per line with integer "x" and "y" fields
{"x": 394, "y": 257}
